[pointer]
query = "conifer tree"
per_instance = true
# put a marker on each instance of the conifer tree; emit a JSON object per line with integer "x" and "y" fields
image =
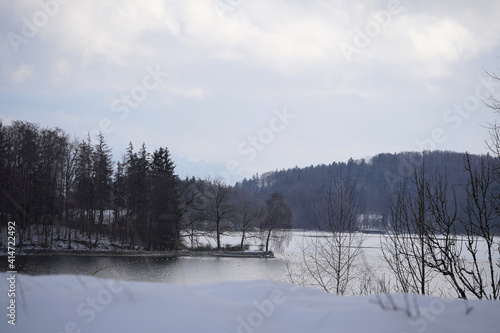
{"x": 165, "y": 216}
{"x": 102, "y": 171}
{"x": 85, "y": 186}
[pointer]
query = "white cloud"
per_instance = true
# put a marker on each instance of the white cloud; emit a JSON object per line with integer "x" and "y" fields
{"x": 289, "y": 37}
{"x": 110, "y": 31}
{"x": 428, "y": 44}
{"x": 434, "y": 45}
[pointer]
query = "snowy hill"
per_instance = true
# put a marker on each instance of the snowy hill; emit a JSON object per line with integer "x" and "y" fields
{"x": 77, "y": 304}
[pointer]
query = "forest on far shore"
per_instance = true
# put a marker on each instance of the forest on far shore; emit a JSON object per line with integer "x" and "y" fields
{"x": 54, "y": 182}
{"x": 375, "y": 182}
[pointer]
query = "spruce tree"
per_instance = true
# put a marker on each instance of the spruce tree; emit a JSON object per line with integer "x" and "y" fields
{"x": 102, "y": 172}
{"x": 165, "y": 217}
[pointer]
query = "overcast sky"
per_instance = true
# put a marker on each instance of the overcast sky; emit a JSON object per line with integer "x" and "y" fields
{"x": 237, "y": 87}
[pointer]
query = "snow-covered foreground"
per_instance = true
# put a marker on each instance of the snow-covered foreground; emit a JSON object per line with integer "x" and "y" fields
{"x": 77, "y": 304}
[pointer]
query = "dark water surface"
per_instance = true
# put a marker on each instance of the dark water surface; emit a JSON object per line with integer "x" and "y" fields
{"x": 180, "y": 270}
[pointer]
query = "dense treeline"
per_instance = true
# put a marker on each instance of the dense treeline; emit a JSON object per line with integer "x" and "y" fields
{"x": 375, "y": 181}
{"x": 69, "y": 189}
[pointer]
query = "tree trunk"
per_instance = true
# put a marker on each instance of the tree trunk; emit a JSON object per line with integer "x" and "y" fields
{"x": 242, "y": 239}
{"x": 218, "y": 235}
{"x": 267, "y": 240}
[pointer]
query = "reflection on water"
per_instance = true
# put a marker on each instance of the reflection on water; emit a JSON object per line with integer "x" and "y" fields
{"x": 182, "y": 270}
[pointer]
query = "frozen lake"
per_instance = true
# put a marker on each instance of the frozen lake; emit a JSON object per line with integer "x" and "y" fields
{"x": 201, "y": 270}
{"x": 181, "y": 270}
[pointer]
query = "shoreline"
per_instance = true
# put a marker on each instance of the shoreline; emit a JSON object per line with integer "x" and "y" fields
{"x": 142, "y": 253}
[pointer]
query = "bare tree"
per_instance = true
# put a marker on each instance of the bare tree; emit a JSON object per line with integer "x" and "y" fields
{"x": 466, "y": 260}
{"x": 276, "y": 220}
{"x": 248, "y": 216}
{"x": 494, "y": 146}
{"x": 443, "y": 242}
{"x": 404, "y": 248}
{"x": 191, "y": 206}
{"x": 329, "y": 257}
{"x": 494, "y": 142}
{"x": 481, "y": 223}
{"x": 219, "y": 210}
{"x": 432, "y": 233}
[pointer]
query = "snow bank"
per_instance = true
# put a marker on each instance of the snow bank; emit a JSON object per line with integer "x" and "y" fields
{"x": 77, "y": 304}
